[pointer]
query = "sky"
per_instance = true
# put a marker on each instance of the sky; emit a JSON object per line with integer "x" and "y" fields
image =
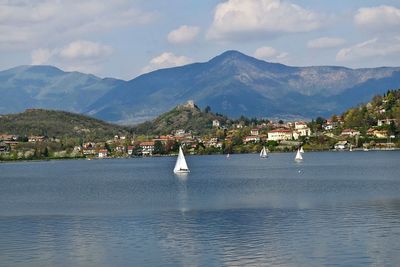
{"x": 126, "y": 38}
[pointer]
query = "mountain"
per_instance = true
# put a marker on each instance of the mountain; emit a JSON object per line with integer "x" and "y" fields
{"x": 235, "y": 84}
{"x": 51, "y": 88}
{"x": 232, "y": 83}
{"x": 187, "y": 117}
{"x": 59, "y": 124}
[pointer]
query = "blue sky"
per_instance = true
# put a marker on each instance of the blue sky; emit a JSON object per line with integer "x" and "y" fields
{"x": 125, "y": 38}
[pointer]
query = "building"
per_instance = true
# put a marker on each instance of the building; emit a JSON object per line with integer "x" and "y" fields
{"x": 350, "y": 132}
{"x": 302, "y": 129}
{"x": 254, "y": 131}
{"x": 130, "y": 150}
{"x": 280, "y": 135}
{"x": 35, "y": 139}
{"x": 147, "y": 148}
{"x": 386, "y": 122}
{"x": 103, "y": 153}
{"x": 8, "y": 137}
{"x": 380, "y": 134}
{"x": 341, "y": 145}
{"x": 251, "y": 139}
{"x": 216, "y": 123}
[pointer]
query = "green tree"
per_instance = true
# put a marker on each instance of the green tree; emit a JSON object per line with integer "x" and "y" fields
{"x": 158, "y": 147}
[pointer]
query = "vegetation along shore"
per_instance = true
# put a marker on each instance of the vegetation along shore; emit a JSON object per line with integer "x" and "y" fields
{"x": 48, "y": 134}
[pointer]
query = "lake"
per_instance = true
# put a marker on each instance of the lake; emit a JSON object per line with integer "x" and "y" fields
{"x": 334, "y": 208}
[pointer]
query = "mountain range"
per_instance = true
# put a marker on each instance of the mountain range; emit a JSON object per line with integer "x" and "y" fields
{"x": 232, "y": 83}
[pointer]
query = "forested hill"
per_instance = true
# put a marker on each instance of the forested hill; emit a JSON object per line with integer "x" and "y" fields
{"x": 58, "y": 124}
{"x": 187, "y": 117}
{"x": 381, "y": 107}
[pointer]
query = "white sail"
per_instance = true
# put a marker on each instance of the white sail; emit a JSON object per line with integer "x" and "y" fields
{"x": 180, "y": 165}
{"x": 301, "y": 150}
{"x": 263, "y": 153}
{"x": 298, "y": 155}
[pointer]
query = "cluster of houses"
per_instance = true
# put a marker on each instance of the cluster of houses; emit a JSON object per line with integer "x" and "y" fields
{"x": 271, "y": 131}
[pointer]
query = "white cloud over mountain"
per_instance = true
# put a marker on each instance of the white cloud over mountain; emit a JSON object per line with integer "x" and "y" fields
{"x": 166, "y": 60}
{"x": 270, "y": 54}
{"x": 379, "y": 19}
{"x": 376, "y": 48}
{"x": 237, "y": 19}
{"x": 325, "y": 42}
{"x": 79, "y": 55}
{"x": 183, "y": 35}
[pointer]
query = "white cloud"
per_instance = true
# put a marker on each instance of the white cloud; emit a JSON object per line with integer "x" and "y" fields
{"x": 270, "y": 54}
{"x": 85, "y": 49}
{"x": 166, "y": 60}
{"x": 375, "y": 48}
{"x": 184, "y": 34}
{"x": 79, "y": 55}
{"x": 381, "y": 18}
{"x": 326, "y": 42}
{"x": 236, "y": 19}
{"x": 29, "y": 24}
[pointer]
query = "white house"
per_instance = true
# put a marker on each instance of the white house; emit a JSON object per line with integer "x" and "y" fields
{"x": 350, "y": 132}
{"x": 147, "y": 148}
{"x": 103, "y": 153}
{"x": 254, "y": 131}
{"x": 215, "y": 123}
{"x": 280, "y": 134}
{"x": 341, "y": 145}
{"x": 251, "y": 139}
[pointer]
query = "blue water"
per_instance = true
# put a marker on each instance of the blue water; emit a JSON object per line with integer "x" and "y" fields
{"x": 334, "y": 208}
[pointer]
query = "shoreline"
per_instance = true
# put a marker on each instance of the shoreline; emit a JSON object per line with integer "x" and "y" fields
{"x": 188, "y": 154}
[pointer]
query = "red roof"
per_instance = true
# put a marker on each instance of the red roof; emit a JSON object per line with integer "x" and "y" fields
{"x": 280, "y": 131}
{"x": 149, "y": 143}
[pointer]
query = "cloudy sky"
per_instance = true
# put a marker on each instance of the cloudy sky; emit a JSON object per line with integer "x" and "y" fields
{"x": 124, "y": 38}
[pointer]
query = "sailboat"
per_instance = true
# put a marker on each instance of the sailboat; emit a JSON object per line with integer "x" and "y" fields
{"x": 298, "y": 156}
{"x": 263, "y": 153}
{"x": 301, "y": 150}
{"x": 227, "y": 156}
{"x": 180, "y": 165}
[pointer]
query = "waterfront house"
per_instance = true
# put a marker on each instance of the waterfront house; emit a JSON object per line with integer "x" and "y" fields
{"x": 103, "y": 153}
{"x": 280, "y": 134}
{"x": 341, "y": 145}
{"x": 130, "y": 150}
{"x": 147, "y": 148}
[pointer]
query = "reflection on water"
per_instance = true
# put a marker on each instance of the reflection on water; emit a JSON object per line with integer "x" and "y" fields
{"x": 332, "y": 209}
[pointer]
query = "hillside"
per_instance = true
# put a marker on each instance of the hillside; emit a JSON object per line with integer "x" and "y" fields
{"x": 58, "y": 124}
{"x": 186, "y": 117}
{"x": 381, "y": 107}
{"x": 232, "y": 83}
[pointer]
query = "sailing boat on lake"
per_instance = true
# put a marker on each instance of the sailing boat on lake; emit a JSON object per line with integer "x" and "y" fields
{"x": 298, "y": 156}
{"x": 180, "y": 165}
{"x": 264, "y": 153}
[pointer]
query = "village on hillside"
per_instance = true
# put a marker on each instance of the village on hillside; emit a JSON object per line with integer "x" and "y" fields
{"x": 243, "y": 137}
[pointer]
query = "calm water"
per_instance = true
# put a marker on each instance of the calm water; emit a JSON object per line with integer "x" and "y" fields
{"x": 339, "y": 209}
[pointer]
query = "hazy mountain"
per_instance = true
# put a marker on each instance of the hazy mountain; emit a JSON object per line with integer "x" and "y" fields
{"x": 49, "y": 87}
{"x": 231, "y": 83}
{"x": 235, "y": 84}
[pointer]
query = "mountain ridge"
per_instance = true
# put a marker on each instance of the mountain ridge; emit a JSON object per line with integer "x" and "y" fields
{"x": 232, "y": 83}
